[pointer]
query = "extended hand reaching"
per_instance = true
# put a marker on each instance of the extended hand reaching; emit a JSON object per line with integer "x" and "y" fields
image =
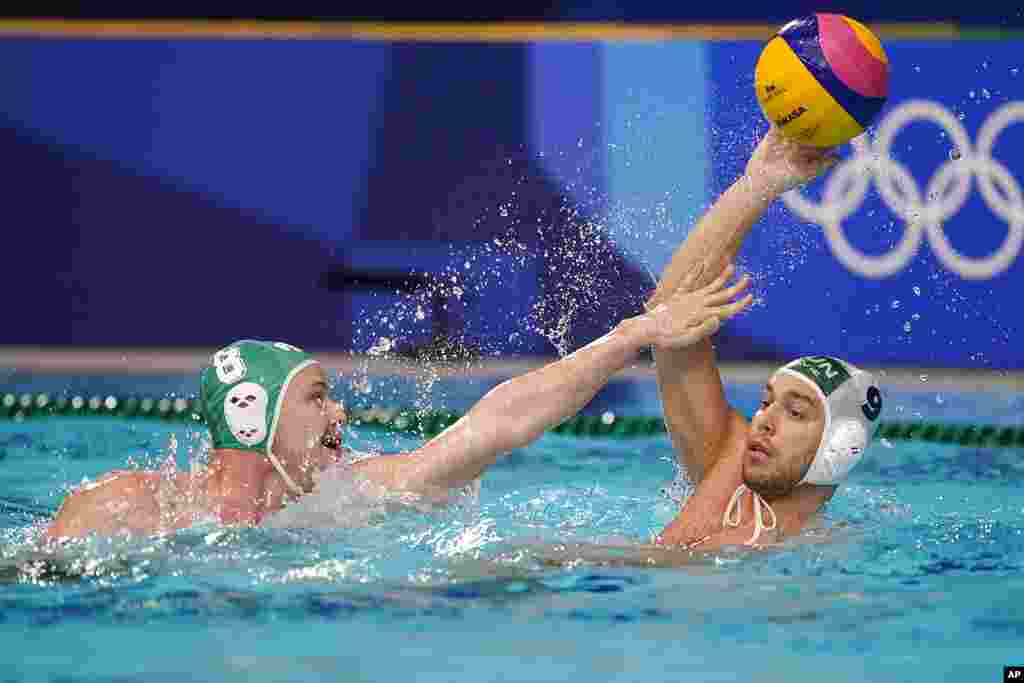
{"x": 692, "y": 314}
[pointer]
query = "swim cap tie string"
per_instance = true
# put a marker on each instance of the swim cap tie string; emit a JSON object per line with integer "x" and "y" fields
{"x": 733, "y": 516}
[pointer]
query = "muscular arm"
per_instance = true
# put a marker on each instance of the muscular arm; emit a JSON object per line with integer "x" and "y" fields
{"x": 696, "y": 412}
{"x": 510, "y": 416}
{"x": 518, "y": 411}
{"x": 693, "y": 399}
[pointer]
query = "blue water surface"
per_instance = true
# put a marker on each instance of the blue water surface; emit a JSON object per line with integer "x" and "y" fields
{"x": 915, "y": 574}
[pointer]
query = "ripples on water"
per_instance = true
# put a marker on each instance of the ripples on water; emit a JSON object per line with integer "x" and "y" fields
{"x": 925, "y": 544}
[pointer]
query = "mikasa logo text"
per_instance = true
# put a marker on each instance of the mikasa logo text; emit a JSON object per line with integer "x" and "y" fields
{"x": 791, "y": 116}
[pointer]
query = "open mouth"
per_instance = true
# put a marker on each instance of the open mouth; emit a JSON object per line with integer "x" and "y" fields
{"x": 332, "y": 437}
{"x": 758, "y": 451}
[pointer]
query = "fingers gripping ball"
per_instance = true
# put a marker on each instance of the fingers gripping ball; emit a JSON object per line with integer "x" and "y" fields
{"x": 822, "y": 79}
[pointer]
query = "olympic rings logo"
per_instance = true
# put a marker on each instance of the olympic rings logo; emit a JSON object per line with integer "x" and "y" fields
{"x": 924, "y": 214}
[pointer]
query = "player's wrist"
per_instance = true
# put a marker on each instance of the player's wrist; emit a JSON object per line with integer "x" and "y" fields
{"x": 762, "y": 187}
{"x": 637, "y": 332}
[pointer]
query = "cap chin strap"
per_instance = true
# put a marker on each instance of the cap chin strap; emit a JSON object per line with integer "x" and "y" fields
{"x": 289, "y": 482}
{"x": 734, "y": 513}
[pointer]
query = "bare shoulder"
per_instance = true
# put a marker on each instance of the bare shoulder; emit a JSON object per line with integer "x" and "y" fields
{"x": 120, "y": 502}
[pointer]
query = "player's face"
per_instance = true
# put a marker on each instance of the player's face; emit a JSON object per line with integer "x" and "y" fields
{"x": 308, "y": 434}
{"x": 784, "y": 436}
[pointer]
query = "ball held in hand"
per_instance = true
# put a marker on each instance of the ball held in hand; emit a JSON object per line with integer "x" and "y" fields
{"x": 822, "y": 79}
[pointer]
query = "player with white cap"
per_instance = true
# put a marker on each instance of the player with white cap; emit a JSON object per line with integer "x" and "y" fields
{"x": 818, "y": 415}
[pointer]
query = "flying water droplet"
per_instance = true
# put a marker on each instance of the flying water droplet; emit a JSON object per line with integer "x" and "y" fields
{"x": 362, "y": 385}
{"x": 382, "y": 346}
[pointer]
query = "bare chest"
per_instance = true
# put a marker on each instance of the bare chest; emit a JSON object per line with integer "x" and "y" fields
{"x": 703, "y": 512}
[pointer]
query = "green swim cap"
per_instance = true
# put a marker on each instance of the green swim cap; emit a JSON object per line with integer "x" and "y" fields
{"x": 241, "y": 392}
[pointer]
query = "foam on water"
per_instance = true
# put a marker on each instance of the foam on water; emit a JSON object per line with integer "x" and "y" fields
{"x": 343, "y": 499}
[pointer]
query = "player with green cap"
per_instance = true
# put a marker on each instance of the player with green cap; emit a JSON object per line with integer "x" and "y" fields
{"x": 273, "y": 428}
{"x": 242, "y": 392}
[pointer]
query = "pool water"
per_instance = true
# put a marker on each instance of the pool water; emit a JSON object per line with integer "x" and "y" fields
{"x": 915, "y": 573}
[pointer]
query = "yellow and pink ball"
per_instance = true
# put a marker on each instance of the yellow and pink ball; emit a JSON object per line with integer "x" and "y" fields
{"x": 822, "y": 79}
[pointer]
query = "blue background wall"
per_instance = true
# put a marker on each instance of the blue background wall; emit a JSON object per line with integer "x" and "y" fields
{"x": 924, "y": 313}
{"x": 189, "y": 192}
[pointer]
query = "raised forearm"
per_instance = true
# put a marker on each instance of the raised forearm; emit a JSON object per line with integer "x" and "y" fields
{"x": 516, "y": 412}
{"x": 717, "y": 237}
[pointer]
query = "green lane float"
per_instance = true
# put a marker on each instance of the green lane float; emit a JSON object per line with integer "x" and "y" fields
{"x": 427, "y": 423}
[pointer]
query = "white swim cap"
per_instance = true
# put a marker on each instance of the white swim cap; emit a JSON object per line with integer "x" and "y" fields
{"x": 852, "y": 403}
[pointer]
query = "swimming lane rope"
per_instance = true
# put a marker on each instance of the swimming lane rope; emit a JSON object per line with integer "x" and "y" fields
{"x": 429, "y": 423}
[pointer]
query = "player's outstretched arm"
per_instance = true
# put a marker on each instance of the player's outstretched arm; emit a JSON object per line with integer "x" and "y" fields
{"x": 518, "y": 411}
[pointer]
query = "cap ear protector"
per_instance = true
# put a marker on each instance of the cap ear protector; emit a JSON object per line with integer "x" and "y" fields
{"x": 853, "y": 404}
{"x": 241, "y": 391}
